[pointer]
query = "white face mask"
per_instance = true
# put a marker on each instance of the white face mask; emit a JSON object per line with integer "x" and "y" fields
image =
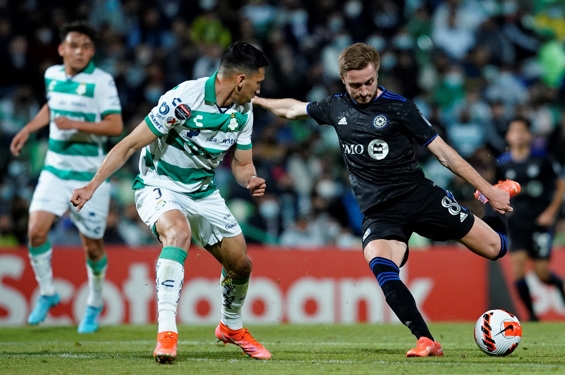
{"x": 269, "y": 209}
{"x": 327, "y": 189}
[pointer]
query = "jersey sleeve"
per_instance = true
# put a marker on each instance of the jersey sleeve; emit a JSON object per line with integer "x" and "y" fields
{"x": 415, "y": 122}
{"x": 169, "y": 112}
{"x": 107, "y": 96}
{"x": 319, "y": 110}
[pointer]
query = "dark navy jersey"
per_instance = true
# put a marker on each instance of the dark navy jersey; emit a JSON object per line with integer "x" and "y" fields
{"x": 377, "y": 143}
{"x": 537, "y": 175}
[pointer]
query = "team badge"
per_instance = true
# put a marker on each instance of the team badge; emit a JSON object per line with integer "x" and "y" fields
{"x": 183, "y": 112}
{"x": 379, "y": 121}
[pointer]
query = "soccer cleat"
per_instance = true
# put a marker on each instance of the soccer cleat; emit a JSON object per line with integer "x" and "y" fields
{"x": 42, "y": 307}
{"x": 89, "y": 322}
{"x": 426, "y": 348}
{"x": 243, "y": 339}
{"x": 166, "y": 349}
{"x": 512, "y": 187}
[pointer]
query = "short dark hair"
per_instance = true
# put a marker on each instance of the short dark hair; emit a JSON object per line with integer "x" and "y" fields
{"x": 243, "y": 56}
{"x": 82, "y": 27}
{"x": 524, "y": 120}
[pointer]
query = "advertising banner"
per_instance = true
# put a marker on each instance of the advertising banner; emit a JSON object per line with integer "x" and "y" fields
{"x": 449, "y": 283}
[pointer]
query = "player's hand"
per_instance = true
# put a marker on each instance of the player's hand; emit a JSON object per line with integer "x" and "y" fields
{"x": 81, "y": 196}
{"x": 546, "y": 219}
{"x": 64, "y": 123}
{"x": 256, "y": 186}
{"x": 499, "y": 200}
{"x": 18, "y": 142}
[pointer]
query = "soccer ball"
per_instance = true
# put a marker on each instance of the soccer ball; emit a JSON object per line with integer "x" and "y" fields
{"x": 498, "y": 332}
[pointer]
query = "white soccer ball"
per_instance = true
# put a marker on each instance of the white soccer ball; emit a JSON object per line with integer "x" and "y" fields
{"x": 498, "y": 332}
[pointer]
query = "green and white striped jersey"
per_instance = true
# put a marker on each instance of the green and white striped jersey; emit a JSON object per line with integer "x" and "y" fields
{"x": 193, "y": 134}
{"x": 87, "y": 96}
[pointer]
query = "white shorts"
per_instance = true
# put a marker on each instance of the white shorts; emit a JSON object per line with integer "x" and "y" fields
{"x": 53, "y": 195}
{"x": 210, "y": 218}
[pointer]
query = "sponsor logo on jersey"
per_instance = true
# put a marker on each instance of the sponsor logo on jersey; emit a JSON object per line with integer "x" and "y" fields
{"x": 380, "y": 121}
{"x": 378, "y": 149}
{"x": 171, "y": 121}
{"x": 182, "y": 112}
{"x": 353, "y": 149}
{"x": 342, "y": 121}
{"x": 164, "y": 108}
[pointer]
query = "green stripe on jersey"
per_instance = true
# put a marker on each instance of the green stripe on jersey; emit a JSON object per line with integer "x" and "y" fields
{"x": 74, "y": 148}
{"x": 244, "y": 147}
{"x": 77, "y": 116}
{"x": 70, "y": 87}
{"x": 110, "y": 112}
{"x": 224, "y": 122}
{"x": 69, "y": 175}
{"x": 187, "y": 176}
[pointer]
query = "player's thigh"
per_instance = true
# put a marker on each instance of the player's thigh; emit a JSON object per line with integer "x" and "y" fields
{"x": 92, "y": 218}
{"x": 173, "y": 229}
{"x": 211, "y": 221}
{"x": 39, "y": 224}
{"x": 482, "y": 240}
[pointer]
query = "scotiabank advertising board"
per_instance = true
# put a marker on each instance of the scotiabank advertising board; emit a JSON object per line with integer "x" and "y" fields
{"x": 449, "y": 283}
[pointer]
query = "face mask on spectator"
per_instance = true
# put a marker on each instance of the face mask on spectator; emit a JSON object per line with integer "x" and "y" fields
{"x": 327, "y": 189}
{"x": 269, "y": 209}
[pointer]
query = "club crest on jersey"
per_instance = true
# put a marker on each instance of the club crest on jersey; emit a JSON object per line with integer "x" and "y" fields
{"x": 380, "y": 121}
{"x": 233, "y": 125}
{"x": 182, "y": 112}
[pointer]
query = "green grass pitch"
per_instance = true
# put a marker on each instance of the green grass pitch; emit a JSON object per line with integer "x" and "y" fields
{"x": 296, "y": 349}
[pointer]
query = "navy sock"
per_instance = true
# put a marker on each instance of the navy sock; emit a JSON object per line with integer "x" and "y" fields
{"x": 399, "y": 297}
{"x": 524, "y": 292}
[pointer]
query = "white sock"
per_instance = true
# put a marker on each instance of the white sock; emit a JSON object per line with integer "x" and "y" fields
{"x": 233, "y": 297}
{"x": 96, "y": 272}
{"x": 170, "y": 277}
{"x": 41, "y": 264}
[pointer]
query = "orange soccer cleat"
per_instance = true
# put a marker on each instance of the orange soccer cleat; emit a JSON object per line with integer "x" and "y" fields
{"x": 166, "y": 349}
{"x": 243, "y": 339}
{"x": 426, "y": 348}
{"x": 512, "y": 187}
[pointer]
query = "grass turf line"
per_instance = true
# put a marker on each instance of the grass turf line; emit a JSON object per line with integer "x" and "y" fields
{"x": 296, "y": 349}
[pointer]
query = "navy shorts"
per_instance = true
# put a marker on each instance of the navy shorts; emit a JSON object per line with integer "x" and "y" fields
{"x": 428, "y": 210}
{"x": 536, "y": 240}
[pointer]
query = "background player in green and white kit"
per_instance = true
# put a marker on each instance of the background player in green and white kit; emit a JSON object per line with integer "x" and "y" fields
{"x": 82, "y": 110}
{"x": 183, "y": 140}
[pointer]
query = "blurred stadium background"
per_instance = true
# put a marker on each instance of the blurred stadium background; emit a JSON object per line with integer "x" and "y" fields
{"x": 469, "y": 64}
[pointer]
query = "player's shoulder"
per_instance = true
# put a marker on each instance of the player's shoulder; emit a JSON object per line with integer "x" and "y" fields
{"x": 389, "y": 95}
{"x": 190, "y": 89}
{"x": 54, "y": 70}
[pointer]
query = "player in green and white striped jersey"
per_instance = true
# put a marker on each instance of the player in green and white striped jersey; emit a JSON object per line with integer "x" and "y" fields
{"x": 82, "y": 110}
{"x": 182, "y": 141}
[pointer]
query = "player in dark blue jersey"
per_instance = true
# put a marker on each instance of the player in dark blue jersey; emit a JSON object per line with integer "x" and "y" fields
{"x": 532, "y": 222}
{"x": 376, "y": 130}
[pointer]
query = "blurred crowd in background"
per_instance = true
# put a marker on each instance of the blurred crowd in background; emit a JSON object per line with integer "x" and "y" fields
{"x": 470, "y": 65}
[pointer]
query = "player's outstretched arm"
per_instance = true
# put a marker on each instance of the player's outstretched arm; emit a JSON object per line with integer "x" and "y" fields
{"x": 245, "y": 174}
{"x": 288, "y": 108}
{"x": 141, "y": 136}
{"x": 39, "y": 121}
{"x": 449, "y": 158}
